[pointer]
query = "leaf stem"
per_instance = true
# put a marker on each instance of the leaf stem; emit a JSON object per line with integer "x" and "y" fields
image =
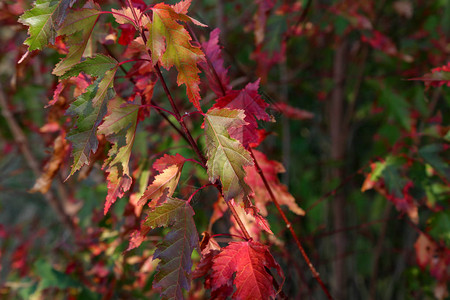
{"x": 289, "y": 226}
{"x": 185, "y": 129}
{"x": 198, "y": 190}
{"x": 159, "y": 112}
{"x": 227, "y": 234}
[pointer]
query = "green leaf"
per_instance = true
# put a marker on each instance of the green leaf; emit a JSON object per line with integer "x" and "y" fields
{"x": 77, "y": 27}
{"x": 89, "y": 108}
{"x": 95, "y": 66}
{"x": 226, "y": 156}
{"x": 44, "y": 20}
{"x": 430, "y": 154}
{"x": 120, "y": 128}
{"x": 440, "y": 226}
{"x": 176, "y": 249}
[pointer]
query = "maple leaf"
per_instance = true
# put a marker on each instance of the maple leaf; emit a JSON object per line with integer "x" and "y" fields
{"x": 125, "y": 16}
{"x": 77, "y": 27}
{"x": 248, "y": 261}
{"x": 254, "y": 108}
{"x": 429, "y": 253}
{"x": 292, "y": 112}
{"x": 44, "y": 20}
{"x": 175, "y": 250}
{"x": 89, "y": 109}
{"x": 170, "y": 171}
{"x": 119, "y": 127}
{"x": 262, "y": 197}
{"x": 214, "y": 55}
{"x": 170, "y": 45}
{"x": 210, "y": 248}
{"x": 226, "y": 156}
{"x": 44, "y": 182}
{"x": 95, "y": 66}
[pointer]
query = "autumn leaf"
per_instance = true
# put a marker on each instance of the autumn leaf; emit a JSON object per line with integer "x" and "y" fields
{"x": 292, "y": 112}
{"x": 226, "y": 156}
{"x": 210, "y": 248}
{"x": 44, "y": 19}
{"x": 218, "y": 78}
{"x": 170, "y": 45}
{"x": 95, "y": 66}
{"x": 170, "y": 171}
{"x": 254, "y": 108}
{"x": 270, "y": 169}
{"x": 44, "y": 182}
{"x": 89, "y": 110}
{"x": 174, "y": 252}
{"x": 125, "y": 16}
{"x": 78, "y": 25}
{"x": 244, "y": 265}
{"x": 119, "y": 127}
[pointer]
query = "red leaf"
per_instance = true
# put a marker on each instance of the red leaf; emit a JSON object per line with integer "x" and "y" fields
{"x": 210, "y": 248}
{"x": 168, "y": 160}
{"x": 293, "y": 112}
{"x": 128, "y": 32}
{"x": 438, "y": 77}
{"x": 381, "y": 42}
{"x": 214, "y": 55}
{"x": 254, "y": 108}
{"x": 270, "y": 168}
{"x": 248, "y": 261}
{"x": 428, "y": 253}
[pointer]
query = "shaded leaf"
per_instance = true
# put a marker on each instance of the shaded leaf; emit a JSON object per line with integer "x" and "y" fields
{"x": 77, "y": 27}
{"x": 440, "y": 226}
{"x": 95, "y": 66}
{"x": 89, "y": 109}
{"x": 120, "y": 128}
{"x": 175, "y": 250}
{"x": 214, "y": 55}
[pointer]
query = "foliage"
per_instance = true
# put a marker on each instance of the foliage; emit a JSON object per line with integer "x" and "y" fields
{"x": 133, "y": 161}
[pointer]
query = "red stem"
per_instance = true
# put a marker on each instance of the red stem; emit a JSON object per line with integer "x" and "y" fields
{"x": 289, "y": 226}
{"x": 185, "y": 129}
{"x": 198, "y": 190}
{"x": 227, "y": 234}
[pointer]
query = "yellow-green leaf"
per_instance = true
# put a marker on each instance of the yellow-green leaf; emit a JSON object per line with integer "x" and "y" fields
{"x": 226, "y": 156}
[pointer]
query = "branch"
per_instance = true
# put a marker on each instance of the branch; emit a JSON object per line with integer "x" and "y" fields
{"x": 162, "y": 114}
{"x": 185, "y": 129}
{"x": 289, "y": 226}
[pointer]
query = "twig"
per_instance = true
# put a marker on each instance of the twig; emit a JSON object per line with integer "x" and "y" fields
{"x": 289, "y": 226}
{"x": 162, "y": 114}
{"x": 185, "y": 129}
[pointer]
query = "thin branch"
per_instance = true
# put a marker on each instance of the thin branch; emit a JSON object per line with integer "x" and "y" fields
{"x": 289, "y": 226}
{"x": 186, "y": 130}
{"x": 158, "y": 111}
